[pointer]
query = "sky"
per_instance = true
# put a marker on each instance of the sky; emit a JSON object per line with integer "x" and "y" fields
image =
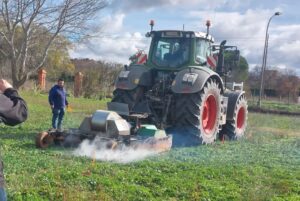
{"x": 121, "y": 27}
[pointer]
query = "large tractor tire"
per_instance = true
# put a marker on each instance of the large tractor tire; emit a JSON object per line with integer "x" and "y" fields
{"x": 130, "y": 97}
{"x": 235, "y": 129}
{"x": 199, "y": 113}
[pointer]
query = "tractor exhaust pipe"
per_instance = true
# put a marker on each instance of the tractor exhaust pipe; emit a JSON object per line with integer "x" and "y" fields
{"x": 207, "y": 25}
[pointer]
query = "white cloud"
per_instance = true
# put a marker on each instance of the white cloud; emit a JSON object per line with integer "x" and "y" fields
{"x": 132, "y": 5}
{"x": 292, "y": 48}
{"x": 110, "y": 43}
{"x": 240, "y": 23}
{"x": 114, "y": 48}
{"x": 113, "y": 23}
{"x": 247, "y": 31}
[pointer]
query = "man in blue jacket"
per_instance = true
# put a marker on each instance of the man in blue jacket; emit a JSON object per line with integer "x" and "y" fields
{"x": 58, "y": 102}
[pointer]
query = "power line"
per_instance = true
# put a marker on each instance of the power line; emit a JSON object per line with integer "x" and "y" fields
{"x": 216, "y": 38}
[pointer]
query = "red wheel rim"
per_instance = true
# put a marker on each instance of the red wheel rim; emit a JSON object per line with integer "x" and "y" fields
{"x": 240, "y": 118}
{"x": 209, "y": 114}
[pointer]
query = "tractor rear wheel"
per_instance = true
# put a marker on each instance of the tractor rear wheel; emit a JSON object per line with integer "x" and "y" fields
{"x": 130, "y": 97}
{"x": 199, "y": 113}
{"x": 235, "y": 129}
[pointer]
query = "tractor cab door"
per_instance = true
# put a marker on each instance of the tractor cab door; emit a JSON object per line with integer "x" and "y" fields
{"x": 203, "y": 50}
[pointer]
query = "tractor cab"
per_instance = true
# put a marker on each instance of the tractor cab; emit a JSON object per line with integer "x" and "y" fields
{"x": 172, "y": 50}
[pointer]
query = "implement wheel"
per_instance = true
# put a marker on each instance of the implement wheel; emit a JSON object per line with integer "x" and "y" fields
{"x": 43, "y": 140}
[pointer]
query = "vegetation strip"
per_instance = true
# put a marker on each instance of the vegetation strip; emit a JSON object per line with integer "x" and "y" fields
{"x": 270, "y": 111}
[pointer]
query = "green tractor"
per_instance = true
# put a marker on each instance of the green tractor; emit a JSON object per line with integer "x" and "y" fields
{"x": 176, "y": 97}
{"x": 176, "y": 89}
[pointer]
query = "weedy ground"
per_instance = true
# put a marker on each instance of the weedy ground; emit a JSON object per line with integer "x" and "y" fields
{"x": 276, "y": 105}
{"x": 265, "y": 165}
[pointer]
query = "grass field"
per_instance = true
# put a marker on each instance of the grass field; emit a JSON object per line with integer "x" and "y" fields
{"x": 276, "y": 106}
{"x": 265, "y": 165}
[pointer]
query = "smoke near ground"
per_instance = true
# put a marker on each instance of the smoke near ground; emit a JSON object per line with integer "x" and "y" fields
{"x": 98, "y": 150}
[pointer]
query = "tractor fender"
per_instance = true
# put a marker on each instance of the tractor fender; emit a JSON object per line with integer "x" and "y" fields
{"x": 135, "y": 75}
{"x": 233, "y": 96}
{"x": 192, "y": 80}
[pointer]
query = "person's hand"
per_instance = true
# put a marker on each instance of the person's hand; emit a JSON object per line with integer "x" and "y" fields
{"x": 69, "y": 109}
{"x": 4, "y": 85}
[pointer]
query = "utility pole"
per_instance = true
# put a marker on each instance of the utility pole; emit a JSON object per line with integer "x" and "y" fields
{"x": 264, "y": 61}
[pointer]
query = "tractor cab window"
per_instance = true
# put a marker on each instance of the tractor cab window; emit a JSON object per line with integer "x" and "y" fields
{"x": 202, "y": 50}
{"x": 170, "y": 52}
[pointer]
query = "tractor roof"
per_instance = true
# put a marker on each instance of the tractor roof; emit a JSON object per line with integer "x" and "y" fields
{"x": 179, "y": 33}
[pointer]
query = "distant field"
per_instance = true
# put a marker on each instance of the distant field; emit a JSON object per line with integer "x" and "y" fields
{"x": 276, "y": 106}
{"x": 262, "y": 166}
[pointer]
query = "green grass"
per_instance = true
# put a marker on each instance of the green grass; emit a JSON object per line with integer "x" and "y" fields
{"x": 262, "y": 166}
{"x": 277, "y": 106}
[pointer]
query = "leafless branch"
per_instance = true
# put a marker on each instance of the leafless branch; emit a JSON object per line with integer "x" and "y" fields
{"x": 26, "y": 21}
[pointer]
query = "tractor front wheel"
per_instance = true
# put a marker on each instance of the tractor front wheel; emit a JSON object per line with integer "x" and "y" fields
{"x": 235, "y": 129}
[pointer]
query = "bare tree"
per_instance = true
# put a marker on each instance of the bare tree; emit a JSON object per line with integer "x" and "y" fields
{"x": 98, "y": 77}
{"x": 253, "y": 78}
{"x": 29, "y": 27}
{"x": 288, "y": 84}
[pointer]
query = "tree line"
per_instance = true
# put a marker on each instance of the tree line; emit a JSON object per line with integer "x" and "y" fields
{"x": 98, "y": 77}
{"x": 277, "y": 83}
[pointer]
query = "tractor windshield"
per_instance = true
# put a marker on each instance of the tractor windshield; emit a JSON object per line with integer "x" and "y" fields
{"x": 170, "y": 52}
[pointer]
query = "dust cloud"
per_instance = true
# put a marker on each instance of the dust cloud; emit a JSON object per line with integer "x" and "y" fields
{"x": 97, "y": 150}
